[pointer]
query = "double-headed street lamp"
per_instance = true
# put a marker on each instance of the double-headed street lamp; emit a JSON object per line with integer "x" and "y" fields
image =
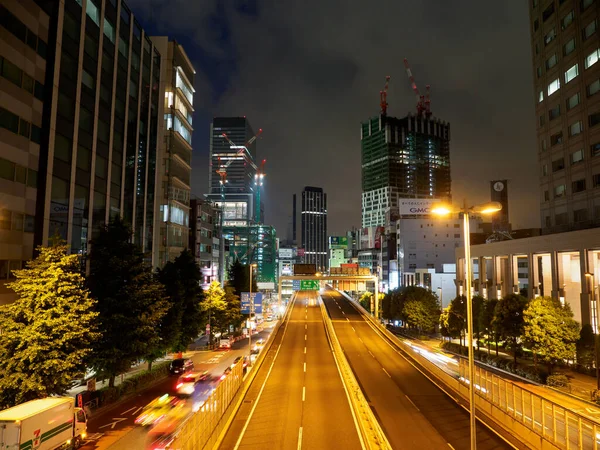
{"x": 485, "y": 208}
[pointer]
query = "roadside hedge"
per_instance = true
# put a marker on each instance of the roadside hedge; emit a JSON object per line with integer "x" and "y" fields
{"x": 108, "y": 395}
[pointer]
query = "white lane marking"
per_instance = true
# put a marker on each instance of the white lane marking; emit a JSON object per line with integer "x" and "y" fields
{"x": 300, "y": 438}
{"x": 305, "y": 326}
{"x": 130, "y": 409}
{"x": 262, "y": 388}
{"x": 305, "y": 367}
{"x": 305, "y": 350}
{"x": 371, "y": 353}
{"x": 386, "y": 372}
{"x": 353, "y": 329}
{"x": 303, "y": 393}
{"x": 412, "y": 403}
{"x": 304, "y": 337}
{"x": 450, "y": 445}
{"x": 343, "y": 312}
{"x": 347, "y": 319}
{"x": 115, "y": 421}
{"x": 361, "y": 340}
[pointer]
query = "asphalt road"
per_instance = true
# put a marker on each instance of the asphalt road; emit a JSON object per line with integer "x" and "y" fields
{"x": 412, "y": 411}
{"x": 300, "y": 402}
{"x": 114, "y": 429}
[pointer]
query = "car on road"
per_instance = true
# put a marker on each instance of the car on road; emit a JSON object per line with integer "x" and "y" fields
{"x": 186, "y": 384}
{"x": 225, "y": 343}
{"x": 259, "y": 344}
{"x": 156, "y": 410}
{"x": 226, "y": 372}
{"x": 236, "y": 360}
{"x": 181, "y": 366}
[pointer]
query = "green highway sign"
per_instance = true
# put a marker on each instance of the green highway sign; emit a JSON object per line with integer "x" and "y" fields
{"x": 310, "y": 285}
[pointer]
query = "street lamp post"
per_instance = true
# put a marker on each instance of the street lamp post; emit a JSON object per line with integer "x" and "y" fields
{"x": 252, "y": 266}
{"x": 596, "y": 320}
{"x": 486, "y": 208}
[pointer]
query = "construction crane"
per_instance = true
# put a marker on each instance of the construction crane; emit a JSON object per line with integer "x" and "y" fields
{"x": 383, "y": 96}
{"x": 258, "y": 182}
{"x": 423, "y": 101}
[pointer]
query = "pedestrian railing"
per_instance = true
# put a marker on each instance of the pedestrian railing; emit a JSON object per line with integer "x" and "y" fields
{"x": 563, "y": 427}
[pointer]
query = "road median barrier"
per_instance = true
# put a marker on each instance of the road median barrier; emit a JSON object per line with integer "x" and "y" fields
{"x": 370, "y": 432}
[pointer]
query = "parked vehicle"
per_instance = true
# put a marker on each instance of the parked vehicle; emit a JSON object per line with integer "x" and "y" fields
{"x": 180, "y": 366}
{"x": 44, "y": 424}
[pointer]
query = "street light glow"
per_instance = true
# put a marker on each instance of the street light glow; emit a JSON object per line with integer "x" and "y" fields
{"x": 488, "y": 208}
{"x": 441, "y": 210}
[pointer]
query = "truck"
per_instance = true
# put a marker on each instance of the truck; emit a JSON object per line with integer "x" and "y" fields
{"x": 45, "y": 424}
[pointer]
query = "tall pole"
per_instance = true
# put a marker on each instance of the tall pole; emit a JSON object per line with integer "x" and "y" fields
{"x": 377, "y": 298}
{"x": 250, "y": 321}
{"x": 472, "y": 421}
{"x": 597, "y": 330}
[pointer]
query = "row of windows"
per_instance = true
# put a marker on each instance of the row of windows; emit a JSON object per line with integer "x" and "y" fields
{"x": 18, "y": 28}
{"x": 14, "y": 172}
{"x": 591, "y": 89}
{"x": 579, "y": 215}
{"x": 15, "y": 75}
{"x": 16, "y": 221}
{"x": 574, "y": 130}
{"x": 576, "y": 157}
{"x": 569, "y": 75}
{"x": 576, "y": 187}
{"x": 14, "y": 123}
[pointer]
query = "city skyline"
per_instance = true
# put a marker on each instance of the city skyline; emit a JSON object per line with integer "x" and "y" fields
{"x": 311, "y": 100}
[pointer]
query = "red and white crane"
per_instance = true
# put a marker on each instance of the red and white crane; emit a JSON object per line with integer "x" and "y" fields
{"x": 423, "y": 101}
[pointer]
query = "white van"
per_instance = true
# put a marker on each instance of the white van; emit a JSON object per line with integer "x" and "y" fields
{"x": 225, "y": 343}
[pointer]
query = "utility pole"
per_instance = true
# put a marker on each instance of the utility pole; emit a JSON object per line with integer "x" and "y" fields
{"x": 251, "y": 266}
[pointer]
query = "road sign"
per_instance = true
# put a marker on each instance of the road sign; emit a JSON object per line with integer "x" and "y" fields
{"x": 258, "y": 298}
{"x": 208, "y": 328}
{"x": 310, "y": 285}
{"x": 296, "y": 285}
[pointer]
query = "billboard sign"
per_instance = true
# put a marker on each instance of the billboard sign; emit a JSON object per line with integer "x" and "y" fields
{"x": 300, "y": 252}
{"x": 286, "y": 253}
{"x": 416, "y": 206}
{"x": 310, "y": 285}
{"x": 257, "y": 297}
{"x": 338, "y": 242}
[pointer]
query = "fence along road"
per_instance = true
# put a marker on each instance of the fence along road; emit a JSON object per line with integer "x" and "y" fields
{"x": 301, "y": 403}
{"x": 412, "y": 411}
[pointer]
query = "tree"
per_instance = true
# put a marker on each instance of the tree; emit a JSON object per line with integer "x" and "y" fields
{"x": 585, "y": 347}
{"x": 233, "y": 308}
{"x": 214, "y": 305}
{"x": 549, "y": 330}
{"x": 239, "y": 278}
{"x": 183, "y": 320}
{"x": 508, "y": 321}
{"x": 420, "y": 308}
{"x": 47, "y": 333}
{"x": 130, "y": 303}
{"x": 477, "y": 310}
{"x": 457, "y": 318}
{"x": 485, "y": 322}
{"x": 365, "y": 301}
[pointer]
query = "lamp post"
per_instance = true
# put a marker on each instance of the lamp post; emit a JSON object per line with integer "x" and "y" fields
{"x": 252, "y": 266}
{"x": 486, "y": 208}
{"x": 595, "y": 320}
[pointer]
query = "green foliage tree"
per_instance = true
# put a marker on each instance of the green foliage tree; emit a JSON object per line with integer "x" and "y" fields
{"x": 183, "y": 319}
{"x": 508, "y": 321}
{"x": 485, "y": 322}
{"x": 420, "y": 308}
{"x": 365, "y": 301}
{"x": 585, "y": 347}
{"x": 213, "y": 304}
{"x": 233, "y": 309}
{"x": 47, "y": 333}
{"x": 478, "y": 303}
{"x": 239, "y": 278}
{"x": 130, "y": 303}
{"x": 549, "y": 330}
{"x": 457, "y": 318}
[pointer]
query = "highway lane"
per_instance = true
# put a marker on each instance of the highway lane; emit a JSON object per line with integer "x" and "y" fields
{"x": 412, "y": 411}
{"x": 114, "y": 428}
{"x": 301, "y": 402}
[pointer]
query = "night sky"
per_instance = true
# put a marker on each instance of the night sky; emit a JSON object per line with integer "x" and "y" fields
{"x": 308, "y": 72}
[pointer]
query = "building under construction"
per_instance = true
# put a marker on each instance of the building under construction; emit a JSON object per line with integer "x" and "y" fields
{"x": 254, "y": 244}
{"x": 407, "y": 157}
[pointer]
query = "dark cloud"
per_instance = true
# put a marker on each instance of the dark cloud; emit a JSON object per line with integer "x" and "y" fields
{"x": 309, "y": 72}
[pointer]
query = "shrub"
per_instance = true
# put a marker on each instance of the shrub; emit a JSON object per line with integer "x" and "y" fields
{"x": 558, "y": 380}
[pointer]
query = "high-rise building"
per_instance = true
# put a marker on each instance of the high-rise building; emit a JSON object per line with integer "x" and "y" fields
{"x": 24, "y": 37}
{"x": 408, "y": 157}
{"x": 97, "y": 156}
{"x": 294, "y": 221}
{"x": 566, "y": 71}
{"x": 174, "y": 153}
{"x": 205, "y": 239}
{"x": 499, "y": 193}
{"x": 314, "y": 227}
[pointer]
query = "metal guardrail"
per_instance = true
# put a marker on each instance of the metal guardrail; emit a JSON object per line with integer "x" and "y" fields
{"x": 371, "y": 433}
{"x": 564, "y": 428}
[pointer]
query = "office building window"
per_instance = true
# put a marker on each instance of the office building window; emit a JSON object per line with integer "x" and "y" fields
{"x": 573, "y": 101}
{"x": 93, "y": 12}
{"x": 568, "y": 19}
{"x": 541, "y": 97}
{"x": 546, "y": 196}
{"x": 590, "y": 29}
{"x": 580, "y": 215}
{"x": 586, "y": 3}
{"x": 577, "y": 156}
{"x": 578, "y": 186}
{"x": 560, "y": 190}
{"x": 594, "y": 119}
{"x": 596, "y": 180}
{"x": 561, "y": 219}
{"x": 569, "y": 47}
{"x": 572, "y": 73}
{"x": 592, "y": 58}
{"x": 556, "y": 139}
{"x": 554, "y": 112}
{"x": 545, "y": 170}
{"x": 551, "y": 62}
{"x": 575, "y": 128}
{"x": 558, "y": 164}
{"x": 542, "y": 120}
{"x": 593, "y": 88}
{"x": 548, "y": 12}
{"x": 553, "y": 87}
{"x": 595, "y": 149}
{"x": 550, "y": 36}
{"x": 109, "y": 30}
{"x": 88, "y": 80}
{"x": 539, "y": 72}
{"x": 536, "y": 25}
